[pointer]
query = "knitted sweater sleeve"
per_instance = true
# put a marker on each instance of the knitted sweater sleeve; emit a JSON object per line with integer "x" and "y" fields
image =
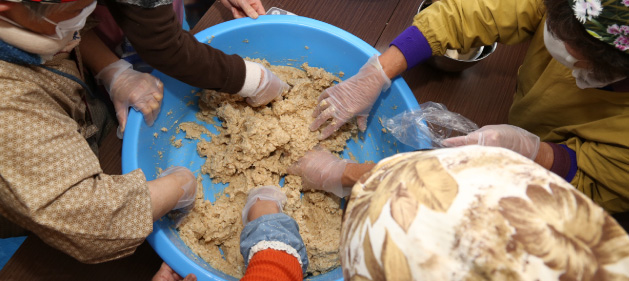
{"x": 273, "y": 265}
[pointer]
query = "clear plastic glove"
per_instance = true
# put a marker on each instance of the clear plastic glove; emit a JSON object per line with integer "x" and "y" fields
{"x": 267, "y": 192}
{"x": 352, "y": 97}
{"x": 130, "y": 88}
{"x": 319, "y": 169}
{"x": 186, "y": 200}
{"x": 506, "y": 136}
{"x": 244, "y": 8}
{"x": 270, "y": 88}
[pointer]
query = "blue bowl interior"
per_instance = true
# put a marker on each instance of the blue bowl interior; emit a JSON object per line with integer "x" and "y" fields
{"x": 282, "y": 40}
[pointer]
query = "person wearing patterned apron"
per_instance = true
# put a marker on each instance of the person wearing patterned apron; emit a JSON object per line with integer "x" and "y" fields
{"x": 51, "y": 182}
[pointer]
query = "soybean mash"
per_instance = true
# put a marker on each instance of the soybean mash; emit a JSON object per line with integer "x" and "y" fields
{"x": 255, "y": 146}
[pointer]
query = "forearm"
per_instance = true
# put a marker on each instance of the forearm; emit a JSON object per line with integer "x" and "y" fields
{"x": 162, "y": 43}
{"x": 558, "y": 158}
{"x": 393, "y": 62}
{"x": 354, "y": 171}
{"x": 272, "y": 264}
{"x": 278, "y": 232}
{"x": 484, "y": 22}
{"x": 261, "y": 208}
{"x": 165, "y": 192}
{"x": 545, "y": 156}
{"x": 601, "y": 172}
{"x": 94, "y": 53}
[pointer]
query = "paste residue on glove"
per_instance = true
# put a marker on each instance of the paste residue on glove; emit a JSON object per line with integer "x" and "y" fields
{"x": 255, "y": 146}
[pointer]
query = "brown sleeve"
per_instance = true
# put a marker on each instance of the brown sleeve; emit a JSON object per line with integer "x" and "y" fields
{"x": 51, "y": 182}
{"x": 161, "y": 42}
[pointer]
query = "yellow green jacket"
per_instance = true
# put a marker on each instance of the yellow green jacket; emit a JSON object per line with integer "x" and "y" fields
{"x": 592, "y": 122}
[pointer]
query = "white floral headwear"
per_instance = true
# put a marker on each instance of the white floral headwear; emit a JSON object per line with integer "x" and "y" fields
{"x": 606, "y": 20}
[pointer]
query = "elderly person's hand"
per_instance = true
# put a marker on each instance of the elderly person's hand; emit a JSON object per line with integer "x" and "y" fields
{"x": 130, "y": 88}
{"x": 244, "y": 8}
{"x": 165, "y": 273}
{"x": 352, "y": 97}
{"x": 319, "y": 169}
{"x": 507, "y": 136}
{"x": 261, "y": 85}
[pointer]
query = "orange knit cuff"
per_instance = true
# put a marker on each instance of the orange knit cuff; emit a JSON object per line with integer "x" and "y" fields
{"x": 273, "y": 265}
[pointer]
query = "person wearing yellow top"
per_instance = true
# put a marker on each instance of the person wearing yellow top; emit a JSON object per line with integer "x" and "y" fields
{"x": 569, "y": 112}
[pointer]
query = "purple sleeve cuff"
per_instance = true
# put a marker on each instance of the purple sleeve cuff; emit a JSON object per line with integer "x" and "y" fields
{"x": 565, "y": 163}
{"x": 413, "y": 45}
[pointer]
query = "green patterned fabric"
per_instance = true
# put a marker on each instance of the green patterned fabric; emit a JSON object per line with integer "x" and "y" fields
{"x": 606, "y": 20}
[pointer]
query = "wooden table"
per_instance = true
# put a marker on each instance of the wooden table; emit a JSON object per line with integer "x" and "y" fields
{"x": 483, "y": 93}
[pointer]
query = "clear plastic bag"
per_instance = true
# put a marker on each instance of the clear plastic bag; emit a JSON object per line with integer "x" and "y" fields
{"x": 428, "y": 125}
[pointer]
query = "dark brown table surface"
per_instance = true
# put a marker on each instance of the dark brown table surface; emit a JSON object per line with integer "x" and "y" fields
{"x": 483, "y": 93}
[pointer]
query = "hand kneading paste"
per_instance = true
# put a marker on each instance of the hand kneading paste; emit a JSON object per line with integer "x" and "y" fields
{"x": 255, "y": 146}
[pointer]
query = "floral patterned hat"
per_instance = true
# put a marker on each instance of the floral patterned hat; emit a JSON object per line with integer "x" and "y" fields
{"x": 606, "y": 20}
{"x": 476, "y": 213}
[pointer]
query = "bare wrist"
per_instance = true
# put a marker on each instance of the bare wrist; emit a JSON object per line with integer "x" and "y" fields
{"x": 353, "y": 172}
{"x": 164, "y": 193}
{"x": 545, "y": 156}
{"x": 261, "y": 208}
{"x": 393, "y": 62}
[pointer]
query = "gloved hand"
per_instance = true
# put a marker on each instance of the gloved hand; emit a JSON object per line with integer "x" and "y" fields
{"x": 267, "y": 192}
{"x": 130, "y": 88}
{"x": 269, "y": 88}
{"x": 352, "y": 97}
{"x": 244, "y": 8}
{"x": 319, "y": 169}
{"x": 507, "y": 136}
{"x": 186, "y": 200}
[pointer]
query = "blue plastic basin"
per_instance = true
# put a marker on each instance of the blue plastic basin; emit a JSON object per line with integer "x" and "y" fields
{"x": 282, "y": 40}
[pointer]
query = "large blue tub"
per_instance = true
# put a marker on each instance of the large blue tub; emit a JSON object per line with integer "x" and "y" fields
{"x": 282, "y": 40}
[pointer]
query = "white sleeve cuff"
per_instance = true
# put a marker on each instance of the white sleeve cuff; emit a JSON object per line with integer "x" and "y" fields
{"x": 252, "y": 79}
{"x": 275, "y": 245}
